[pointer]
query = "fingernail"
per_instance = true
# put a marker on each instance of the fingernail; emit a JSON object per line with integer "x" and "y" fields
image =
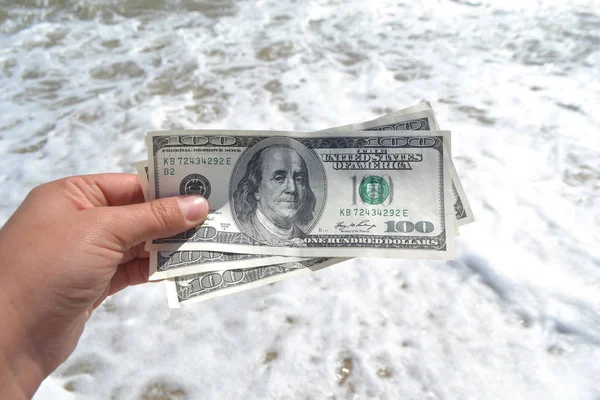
{"x": 194, "y": 208}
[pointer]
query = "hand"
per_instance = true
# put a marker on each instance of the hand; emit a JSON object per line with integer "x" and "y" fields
{"x": 72, "y": 243}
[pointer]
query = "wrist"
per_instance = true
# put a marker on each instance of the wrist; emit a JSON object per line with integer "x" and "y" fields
{"x": 19, "y": 377}
{"x": 21, "y": 371}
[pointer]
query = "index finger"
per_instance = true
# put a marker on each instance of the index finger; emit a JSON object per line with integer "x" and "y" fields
{"x": 119, "y": 189}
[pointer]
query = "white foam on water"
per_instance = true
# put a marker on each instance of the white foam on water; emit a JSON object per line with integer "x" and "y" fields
{"x": 515, "y": 316}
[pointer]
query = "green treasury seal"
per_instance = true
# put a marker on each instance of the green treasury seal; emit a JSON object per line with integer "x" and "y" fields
{"x": 373, "y": 189}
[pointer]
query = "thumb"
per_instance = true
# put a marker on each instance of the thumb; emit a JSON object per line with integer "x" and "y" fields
{"x": 136, "y": 223}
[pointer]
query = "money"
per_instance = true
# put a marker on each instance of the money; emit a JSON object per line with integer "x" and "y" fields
{"x": 323, "y": 194}
{"x": 198, "y": 275}
{"x": 191, "y": 289}
{"x": 170, "y": 264}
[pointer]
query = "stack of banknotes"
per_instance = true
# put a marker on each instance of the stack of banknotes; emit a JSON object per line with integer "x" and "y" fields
{"x": 285, "y": 204}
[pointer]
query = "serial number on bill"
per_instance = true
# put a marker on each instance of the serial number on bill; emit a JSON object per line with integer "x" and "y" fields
{"x": 197, "y": 160}
{"x": 373, "y": 212}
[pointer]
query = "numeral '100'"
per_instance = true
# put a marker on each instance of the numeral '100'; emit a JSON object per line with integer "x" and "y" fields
{"x": 407, "y": 226}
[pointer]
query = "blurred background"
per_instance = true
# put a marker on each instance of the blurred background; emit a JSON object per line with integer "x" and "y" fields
{"x": 517, "y": 315}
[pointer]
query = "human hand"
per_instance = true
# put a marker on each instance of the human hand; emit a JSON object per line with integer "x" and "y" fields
{"x": 70, "y": 244}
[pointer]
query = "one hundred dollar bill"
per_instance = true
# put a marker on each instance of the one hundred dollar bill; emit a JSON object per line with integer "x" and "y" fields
{"x": 169, "y": 264}
{"x": 195, "y": 288}
{"x": 322, "y": 194}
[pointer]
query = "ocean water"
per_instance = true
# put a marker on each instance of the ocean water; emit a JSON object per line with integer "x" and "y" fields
{"x": 516, "y": 316}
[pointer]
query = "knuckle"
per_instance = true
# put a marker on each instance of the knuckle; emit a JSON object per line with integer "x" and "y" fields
{"x": 37, "y": 191}
{"x": 70, "y": 181}
{"x": 59, "y": 186}
{"x": 43, "y": 191}
{"x": 74, "y": 183}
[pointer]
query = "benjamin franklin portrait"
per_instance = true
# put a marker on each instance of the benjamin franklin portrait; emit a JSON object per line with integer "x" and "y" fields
{"x": 274, "y": 197}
